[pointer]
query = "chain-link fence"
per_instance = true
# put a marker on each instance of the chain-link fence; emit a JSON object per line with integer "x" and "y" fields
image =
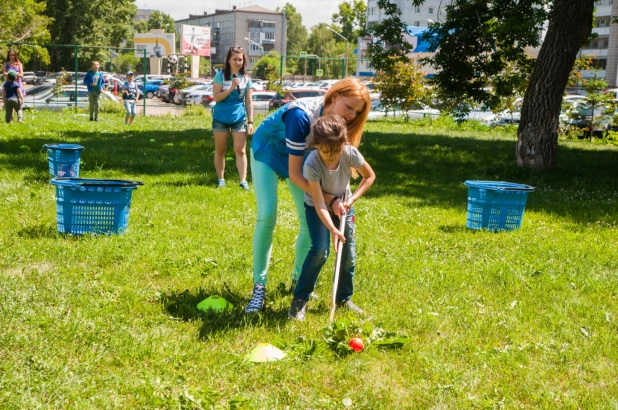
{"x": 313, "y": 66}
{"x": 56, "y": 82}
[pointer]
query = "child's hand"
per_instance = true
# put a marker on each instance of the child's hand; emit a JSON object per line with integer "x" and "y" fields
{"x": 339, "y": 207}
{"x": 337, "y": 236}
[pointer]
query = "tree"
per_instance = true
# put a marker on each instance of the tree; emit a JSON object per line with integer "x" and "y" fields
{"x": 570, "y": 25}
{"x": 403, "y": 88}
{"x": 24, "y": 21}
{"x": 483, "y": 44}
{"x": 322, "y": 43}
{"x": 268, "y": 64}
{"x": 159, "y": 20}
{"x": 352, "y": 17}
{"x": 390, "y": 44}
{"x": 88, "y": 22}
{"x": 296, "y": 37}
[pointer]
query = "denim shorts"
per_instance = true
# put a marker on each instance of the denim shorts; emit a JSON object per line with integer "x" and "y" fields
{"x": 129, "y": 106}
{"x": 218, "y": 126}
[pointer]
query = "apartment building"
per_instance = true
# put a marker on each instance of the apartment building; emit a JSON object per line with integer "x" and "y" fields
{"x": 415, "y": 16}
{"x": 266, "y": 30}
{"x": 604, "y": 47}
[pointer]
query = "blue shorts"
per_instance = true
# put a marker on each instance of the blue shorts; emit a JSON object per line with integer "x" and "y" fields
{"x": 218, "y": 126}
{"x": 129, "y": 105}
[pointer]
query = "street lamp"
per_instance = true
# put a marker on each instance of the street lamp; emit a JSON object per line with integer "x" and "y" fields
{"x": 346, "y": 49}
{"x": 254, "y": 43}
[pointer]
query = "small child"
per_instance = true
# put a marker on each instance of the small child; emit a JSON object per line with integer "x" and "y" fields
{"x": 12, "y": 97}
{"x": 130, "y": 93}
{"x": 328, "y": 169}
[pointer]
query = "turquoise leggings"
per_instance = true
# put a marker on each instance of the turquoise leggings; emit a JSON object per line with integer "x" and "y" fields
{"x": 265, "y": 183}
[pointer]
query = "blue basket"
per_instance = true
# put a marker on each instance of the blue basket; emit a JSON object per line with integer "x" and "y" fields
{"x": 93, "y": 205}
{"x": 63, "y": 159}
{"x": 496, "y": 206}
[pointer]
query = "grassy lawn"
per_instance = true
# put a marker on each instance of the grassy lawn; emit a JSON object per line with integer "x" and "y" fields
{"x": 524, "y": 319}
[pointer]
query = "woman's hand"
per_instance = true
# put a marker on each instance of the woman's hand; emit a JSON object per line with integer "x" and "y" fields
{"x": 249, "y": 129}
{"x": 337, "y": 236}
{"x": 235, "y": 83}
{"x": 348, "y": 204}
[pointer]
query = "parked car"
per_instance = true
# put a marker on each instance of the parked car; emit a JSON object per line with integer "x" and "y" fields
{"x": 150, "y": 88}
{"x": 28, "y": 77}
{"x": 193, "y": 95}
{"x": 291, "y": 95}
{"x": 260, "y": 100}
{"x": 326, "y": 84}
{"x": 417, "y": 112}
{"x": 66, "y": 99}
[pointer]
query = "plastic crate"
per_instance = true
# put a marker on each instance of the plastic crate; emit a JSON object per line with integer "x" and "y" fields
{"x": 63, "y": 159}
{"x": 93, "y": 205}
{"x": 496, "y": 206}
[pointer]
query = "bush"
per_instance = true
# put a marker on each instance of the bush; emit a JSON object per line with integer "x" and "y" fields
{"x": 196, "y": 111}
{"x": 111, "y": 107}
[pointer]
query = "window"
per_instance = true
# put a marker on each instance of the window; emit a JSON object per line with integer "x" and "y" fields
{"x": 253, "y": 60}
{"x": 254, "y": 47}
{"x": 604, "y": 21}
{"x": 269, "y": 36}
{"x": 430, "y": 10}
{"x": 599, "y": 64}
{"x": 417, "y": 9}
{"x": 600, "y": 42}
{"x": 417, "y": 24}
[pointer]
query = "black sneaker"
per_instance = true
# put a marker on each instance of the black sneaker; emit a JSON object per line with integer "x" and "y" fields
{"x": 298, "y": 309}
{"x": 351, "y": 306}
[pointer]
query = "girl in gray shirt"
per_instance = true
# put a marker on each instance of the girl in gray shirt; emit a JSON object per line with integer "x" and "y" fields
{"x": 328, "y": 169}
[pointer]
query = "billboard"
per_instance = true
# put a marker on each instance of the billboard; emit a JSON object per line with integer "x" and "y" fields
{"x": 195, "y": 40}
{"x": 156, "y": 45}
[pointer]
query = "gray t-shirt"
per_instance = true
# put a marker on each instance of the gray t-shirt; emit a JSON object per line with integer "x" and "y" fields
{"x": 336, "y": 181}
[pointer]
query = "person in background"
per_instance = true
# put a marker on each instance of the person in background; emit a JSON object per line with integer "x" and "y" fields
{"x": 232, "y": 90}
{"x": 95, "y": 82}
{"x": 12, "y": 63}
{"x": 130, "y": 94}
{"x": 12, "y": 96}
{"x": 278, "y": 149}
{"x": 110, "y": 85}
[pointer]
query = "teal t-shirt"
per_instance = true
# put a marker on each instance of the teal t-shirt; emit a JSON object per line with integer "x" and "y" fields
{"x": 232, "y": 109}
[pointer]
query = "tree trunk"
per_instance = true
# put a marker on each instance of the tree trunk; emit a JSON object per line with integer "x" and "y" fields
{"x": 570, "y": 25}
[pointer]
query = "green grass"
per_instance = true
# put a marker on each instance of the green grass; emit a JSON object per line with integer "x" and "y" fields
{"x": 525, "y": 319}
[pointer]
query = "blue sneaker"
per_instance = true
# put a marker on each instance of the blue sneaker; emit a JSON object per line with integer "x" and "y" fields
{"x": 244, "y": 185}
{"x": 221, "y": 183}
{"x": 256, "y": 304}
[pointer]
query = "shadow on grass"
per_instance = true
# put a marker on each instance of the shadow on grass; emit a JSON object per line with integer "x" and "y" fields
{"x": 183, "y": 305}
{"x": 422, "y": 169}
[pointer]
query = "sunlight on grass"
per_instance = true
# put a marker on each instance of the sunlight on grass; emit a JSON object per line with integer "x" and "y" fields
{"x": 524, "y": 319}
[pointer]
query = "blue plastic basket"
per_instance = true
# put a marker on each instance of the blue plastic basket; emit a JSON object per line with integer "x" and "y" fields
{"x": 93, "y": 205}
{"x": 496, "y": 206}
{"x": 63, "y": 159}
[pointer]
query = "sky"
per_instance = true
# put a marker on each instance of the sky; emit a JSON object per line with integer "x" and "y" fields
{"x": 312, "y": 11}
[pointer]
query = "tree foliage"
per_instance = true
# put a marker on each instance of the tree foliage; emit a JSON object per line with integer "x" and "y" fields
{"x": 88, "y": 22}
{"x": 402, "y": 88}
{"x": 352, "y": 17}
{"x": 482, "y": 47}
{"x": 296, "y": 37}
{"x": 389, "y": 45}
{"x": 24, "y": 21}
{"x": 160, "y": 20}
{"x": 267, "y": 64}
